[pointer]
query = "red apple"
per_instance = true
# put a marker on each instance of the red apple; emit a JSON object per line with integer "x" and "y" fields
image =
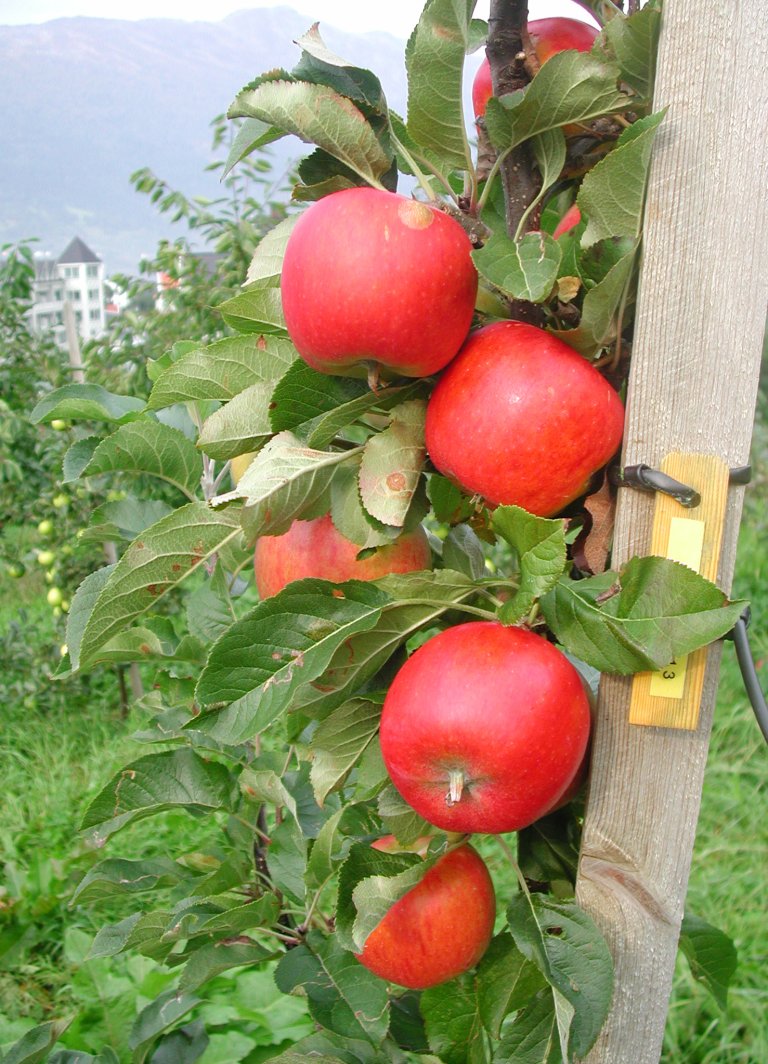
{"x": 548, "y": 36}
{"x": 519, "y": 417}
{"x": 316, "y": 548}
{"x": 569, "y": 221}
{"x": 440, "y": 928}
{"x": 373, "y": 277}
{"x": 484, "y": 728}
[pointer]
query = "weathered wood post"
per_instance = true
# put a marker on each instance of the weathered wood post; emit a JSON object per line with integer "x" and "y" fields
{"x": 701, "y": 315}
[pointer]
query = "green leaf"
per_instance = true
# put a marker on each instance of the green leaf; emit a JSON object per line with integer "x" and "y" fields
{"x": 602, "y": 304}
{"x": 84, "y": 600}
{"x": 86, "y": 402}
{"x": 414, "y": 601}
{"x": 241, "y": 426}
{"x": 338, "y": 743}
{"x": 118, "y": 875}
{"x": 434, "y": 61}
{"x": 36, "y": 1044}
{"x": 77, "y": 458}
{"x": 711, "y": 955}
{"x": 154, "y": 564}
{"x": 304, "y": 395}
{"x": 350, "y": 517}
{"x": 548, "y": 851}
{"x": 136, "y": 644}
{"x": 533, "y": 1037}
{"x": 392, "y": 463}
{"x": 209, "y": 961}
{"x": 149, "y": 447}
{"x": 463, "y": 552}
{"x": 182, "y": 1046}
{"x": 268, "y": 257}
{"x": 318, "y": 115}
{"x": 398, "y": 817}
{"x": 452, "y": 1018}
{"x": 154, "y": 783}
{"x": 505, "y": 982}
{"x": 251, "y": 135}
{"x": 570, "y": 87}
{"x": 524, "y": 269}
{"x": 563, "y": 942}
{"x": 365, "y": 864}
{"x": 321, "y": 66}
{"x": 283, "y": 644}
{"x": 343, "y": 996}
{"x": 539, "y": 544}
{"x": 449, "y": 504}
{"x": 141, "y": 931}
{"x": 157, "y": 1017}
{"x": 257, "y": 309}
{"x": 283, "y": 482}
{"x": 659, "y": 611}
{"x": 612, "y": 193}
{"x": 634, "y": 41}
{"x": 208, "y": 609}
{"x": 549, "y": 152}
{"x": 123, "y": 519}
{"x": 222, "y": 369}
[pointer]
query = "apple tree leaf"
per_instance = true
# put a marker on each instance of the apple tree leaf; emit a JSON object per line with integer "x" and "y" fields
{"x": 600, "y": 323}
{"x": 251, "y": 134}
{"x": 119, "y": 875}
{"x": 86, "y": 402}
{"x": 209, "y": 961}
{"x": 81, "y": 608}
{"x": 434, "y": 61}
{"x": 258, "y": 665}
{"x": 452, "y": 1018}
{"x": 506, "y": 981}
{"x": 571, "y": 87}
{"x": 160, "y": 559}
{"x": 283, "y": 483}
{"x": 257, "y": 309}
{"x": 240, "y": 426}
{"x": 640, "y": 619}
{"x": 523, "y": 269}
{"x": 267, "y": 261}
{"x": 36, "y": 1044}
{"x": 564, "y": 943}
{"x": 222, "y": 369}
{"x": 343, "y": 996}
{"x": 319, "y": 115}
{"x": 612, "y": 193}
{"x": 172, "y": 779}
{"x": 339, "y": 742}
{"x": 156, "y": 1017}
{"x": 463, "y": 552}
{"x": 539, "y": 544}
{"x": 392, "y": 463}
{"x": 633, "y": 42}
{"x": 149, "y": 447}
{"x": 389, "y": 876}
{"x": 321, "y": 66}
{"x": 711, "y": 955}
{"x": 533, "y": 1037}
{"x": 350, "y": 517}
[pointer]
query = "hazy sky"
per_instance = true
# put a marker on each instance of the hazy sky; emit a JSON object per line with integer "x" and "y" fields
{"x": 357, "y": 16}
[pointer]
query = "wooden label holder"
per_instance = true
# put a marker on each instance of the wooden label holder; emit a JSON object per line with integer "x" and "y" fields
{"x": 671, "y": 698}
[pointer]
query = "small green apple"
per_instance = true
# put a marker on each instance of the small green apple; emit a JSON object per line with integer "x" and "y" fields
{"x": 58, "y": 425}
{"x": 15, "y": 570}
{"x": 60, "y": 500}
{"x": 45, "y": 528}
{"x": 46, "y": 558}
{"x": 55, "y": 597}
{"x": 50, "y": 576}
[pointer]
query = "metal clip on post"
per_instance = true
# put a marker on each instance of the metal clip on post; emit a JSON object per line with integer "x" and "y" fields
{"x": 748, "y": 670}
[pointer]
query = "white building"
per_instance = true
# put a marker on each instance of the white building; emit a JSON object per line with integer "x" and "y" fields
{"x": 77, "y": 277}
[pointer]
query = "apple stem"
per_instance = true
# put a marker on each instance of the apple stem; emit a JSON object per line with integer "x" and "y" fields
{"x": 374, "y": 376}
{"x": 455, "y": 786}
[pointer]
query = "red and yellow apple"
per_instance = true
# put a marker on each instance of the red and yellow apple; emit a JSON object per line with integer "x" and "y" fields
{"x": 315, "y": 548}
{"x": 375, "y": 279}
{"x": 569, "y": 221}
{"x": 520, "y": 418}
{"x": 548, "y": 36}
{"x": 440, "y": 928}
{"x": 484, "y": 728}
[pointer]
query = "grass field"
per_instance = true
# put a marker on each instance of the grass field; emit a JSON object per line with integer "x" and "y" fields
{"x": 60, "y": 742}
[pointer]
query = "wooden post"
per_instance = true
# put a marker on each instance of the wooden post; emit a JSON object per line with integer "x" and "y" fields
{"x": 700, "y": 321}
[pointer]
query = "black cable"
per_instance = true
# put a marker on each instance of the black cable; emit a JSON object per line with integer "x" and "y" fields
{"x": 749, "y": 672}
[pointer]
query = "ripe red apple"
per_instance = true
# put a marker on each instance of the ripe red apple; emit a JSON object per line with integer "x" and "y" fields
{"x": 316, "y": 548}
{"x": 373, "y": 277}
{"x": 484, "y": 728}
{"x": 548, "y": 36}
{"x": 569, "y": 221}
{"x": 440, "y": 928}
{"x": 519, "y": 417}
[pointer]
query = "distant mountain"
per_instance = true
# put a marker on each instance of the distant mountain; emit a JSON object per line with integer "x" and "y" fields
{"x": 86, "y": 101}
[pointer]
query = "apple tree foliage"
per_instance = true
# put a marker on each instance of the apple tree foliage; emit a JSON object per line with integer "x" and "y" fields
{"x": 262, "y": 719}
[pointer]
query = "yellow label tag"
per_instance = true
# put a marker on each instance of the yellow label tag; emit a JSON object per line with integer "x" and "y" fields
{"x": 670, "y": 698}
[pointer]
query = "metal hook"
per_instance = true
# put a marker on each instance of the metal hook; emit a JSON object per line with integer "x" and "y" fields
{"x": 748, "y": 670}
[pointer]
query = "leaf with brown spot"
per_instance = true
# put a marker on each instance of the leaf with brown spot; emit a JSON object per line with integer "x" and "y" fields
{"x": 593, "y": 545}
{"x": 392, "y": 463}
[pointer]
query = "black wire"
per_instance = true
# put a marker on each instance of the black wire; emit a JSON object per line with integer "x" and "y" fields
{"x": 749, "y": 674}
